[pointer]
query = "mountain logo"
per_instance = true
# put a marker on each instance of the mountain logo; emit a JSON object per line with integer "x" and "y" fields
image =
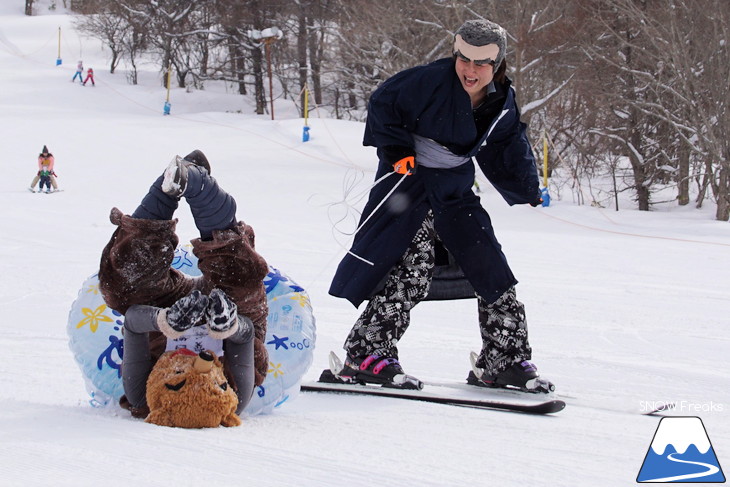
{"x": 680, "y": 452}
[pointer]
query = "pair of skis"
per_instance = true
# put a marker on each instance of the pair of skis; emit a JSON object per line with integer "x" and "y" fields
{"x": 454, "y": 394}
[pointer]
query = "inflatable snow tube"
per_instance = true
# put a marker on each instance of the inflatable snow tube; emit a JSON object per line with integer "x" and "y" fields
{"x": 96, "y": 340}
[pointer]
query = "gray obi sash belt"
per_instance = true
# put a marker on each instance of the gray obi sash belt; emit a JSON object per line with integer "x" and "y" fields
{"x": 430, "y": 153}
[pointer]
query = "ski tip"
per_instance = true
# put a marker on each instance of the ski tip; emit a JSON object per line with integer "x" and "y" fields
{"x": 548, "y": 407}
{"x": 555, "y": 406}
{"x": 660, "y": 410}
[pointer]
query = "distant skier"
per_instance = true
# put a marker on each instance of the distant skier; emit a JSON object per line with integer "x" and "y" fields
{"x": 79, "y": 72}
{"x": 89, "y": 77}
{"x": 45, "y": 178}
{"x": 46, "y": 162}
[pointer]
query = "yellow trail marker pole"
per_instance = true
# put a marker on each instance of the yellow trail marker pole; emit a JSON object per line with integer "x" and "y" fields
{"x": 544, "y": 192}
{"x": 544, "y": 159}
{"x": 305, "y": 132}
{"x": 166, "y": 107}
{"x": 306, "y": 105}
{"x": 58, "y": 59}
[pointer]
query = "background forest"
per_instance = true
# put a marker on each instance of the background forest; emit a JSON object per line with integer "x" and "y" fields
{"x": 630, "y": 92}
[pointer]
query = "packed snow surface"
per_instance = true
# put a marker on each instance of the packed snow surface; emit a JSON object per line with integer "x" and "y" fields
{"x": 627, "y": 310}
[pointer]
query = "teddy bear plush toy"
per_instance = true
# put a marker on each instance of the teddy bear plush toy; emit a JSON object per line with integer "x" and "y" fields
{"x": 189, "y": 390}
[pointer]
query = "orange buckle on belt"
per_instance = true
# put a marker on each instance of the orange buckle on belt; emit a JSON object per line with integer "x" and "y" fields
{"x": 404, "y": 165}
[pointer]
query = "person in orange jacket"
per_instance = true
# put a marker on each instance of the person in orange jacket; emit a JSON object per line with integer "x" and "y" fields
{"x": 89, "y": 76}
{"x": 45, "y": 165}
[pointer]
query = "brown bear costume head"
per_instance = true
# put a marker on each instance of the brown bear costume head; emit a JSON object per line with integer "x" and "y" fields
{"x": 189, "y": 390}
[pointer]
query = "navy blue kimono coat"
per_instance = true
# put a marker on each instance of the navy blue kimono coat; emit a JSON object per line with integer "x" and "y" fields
{"x": 429, "y": 101}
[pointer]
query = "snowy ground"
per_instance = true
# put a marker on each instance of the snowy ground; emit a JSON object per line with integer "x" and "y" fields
{"x": 625, "y": 308}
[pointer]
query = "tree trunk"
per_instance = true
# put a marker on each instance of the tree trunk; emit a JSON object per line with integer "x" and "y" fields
{"x": 237, "y": 64}
{"x": 257, "y": 60}
{"x": 315, "y": 61}
{"x": 302, "y": 55}
{"x": 28, "y": 7}
{"x": 182, "y": 73}
{"x": 115, "y": 61}
{"x": 351, "y": 98}
{"x": 638, "y": 166}
{"x": 703, "y": 185}
{"x": 683, "y": 174}
{"x": 204, "y": 59}
{"x": 166, "y": 59}
{"x": 723, "y": 194}
{"x": 634, "y": 130}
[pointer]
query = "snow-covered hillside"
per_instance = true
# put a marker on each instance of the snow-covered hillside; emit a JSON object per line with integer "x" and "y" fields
{"x": 626, "y": 310}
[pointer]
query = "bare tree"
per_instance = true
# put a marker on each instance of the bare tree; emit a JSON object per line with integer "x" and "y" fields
{"x": 376, "y": 42}
{"x": 110, "y": 28}
{"x": 694, "y": 87}
{"x": 644, "y": 81}
{"x": 617, "y": 50}
{"x": 121, "y": 25}
{"x": 670, "y": 90}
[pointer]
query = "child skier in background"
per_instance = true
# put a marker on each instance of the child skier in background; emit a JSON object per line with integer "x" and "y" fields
{"x": 45, "y": 177}
{"x": 89, "y": 76}
{"x": 79, "y": 72}
{"x": 45, "y": 165}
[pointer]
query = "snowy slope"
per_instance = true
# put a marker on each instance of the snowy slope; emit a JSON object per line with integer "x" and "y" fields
{"x": 625, "y": 308}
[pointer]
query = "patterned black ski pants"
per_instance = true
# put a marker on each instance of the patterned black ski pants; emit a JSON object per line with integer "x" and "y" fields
{"x": 387, "y": 315}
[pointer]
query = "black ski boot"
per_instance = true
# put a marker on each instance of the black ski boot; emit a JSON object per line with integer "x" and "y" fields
{"x": 372, "y": 369}
{"x": 521, "y": 375}
{"x": 198, "y": 158}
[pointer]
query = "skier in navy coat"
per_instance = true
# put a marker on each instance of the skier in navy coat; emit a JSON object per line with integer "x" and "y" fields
{"x": 431, "y": 238}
